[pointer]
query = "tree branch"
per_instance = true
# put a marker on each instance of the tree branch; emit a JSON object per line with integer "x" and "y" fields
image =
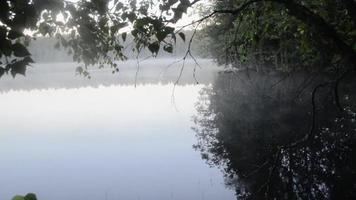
{"x": 304, "y": 14}
{"x": 319, "y": 25}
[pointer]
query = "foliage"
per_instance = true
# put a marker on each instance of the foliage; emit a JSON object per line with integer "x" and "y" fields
{"x": 283, "y": 35}
{"x": 93, "y": 31}
{"x": 279, "y": 34}
{"x": 29, "y": 196}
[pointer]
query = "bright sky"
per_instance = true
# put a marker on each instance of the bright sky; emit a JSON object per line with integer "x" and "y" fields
{"x": 192, "y": 15}
{"x": 187, "y": 18}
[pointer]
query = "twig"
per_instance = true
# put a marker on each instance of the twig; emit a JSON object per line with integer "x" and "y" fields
{"x": 336, "y": 89}
{"x": 311, "y": 133}
{"x": 137, "y": 65}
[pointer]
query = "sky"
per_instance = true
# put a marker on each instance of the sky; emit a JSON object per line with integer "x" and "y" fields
{"x": 187, "y": 18}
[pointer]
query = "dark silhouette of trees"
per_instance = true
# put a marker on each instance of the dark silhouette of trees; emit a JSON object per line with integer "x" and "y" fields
{"x": 92, "y": 31}
{"x": 29, "y": 196}
{"x": 287, "y": 34}
{"x": 262, "y": 135}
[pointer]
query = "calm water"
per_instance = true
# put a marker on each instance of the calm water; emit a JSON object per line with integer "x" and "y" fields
{"x": 103, "y": 143}
{"x": 68, "y": 138}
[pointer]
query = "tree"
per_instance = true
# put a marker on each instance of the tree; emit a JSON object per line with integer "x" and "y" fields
{"x": 317, "y": 34}
{"x": 297, "y": 31}
{"x": 29, "y": 196}
{"x": 93, "y": 31}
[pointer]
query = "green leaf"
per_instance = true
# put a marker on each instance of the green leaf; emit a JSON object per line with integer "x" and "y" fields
{"x": 182, "y": 35}
{"x": 14, "y": 34}
{"x": 18, "y": 197}
{"x": 154, "y": 48}
{"x": 44, "y": 28}
{"x": 162, "y": 34}
{"x": 28, "y": 59}
{"x": 30, "y": 196}
{"x": 168, "y": 48}
{"x": 124, "y": 36}
{"x": 2, "y": 71}
{"x": 5, "y": 47}
{"x": 134, "y": 33}
{"x": 20, "y": 50}
{"x": 131, "y": 16}
{"x": 18, "y": 68}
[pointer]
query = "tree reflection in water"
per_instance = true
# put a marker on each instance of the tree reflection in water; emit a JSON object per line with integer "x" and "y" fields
{"x": 260, "y": 131}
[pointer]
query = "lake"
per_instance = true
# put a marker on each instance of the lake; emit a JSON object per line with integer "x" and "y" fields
{"x": 66, "y": 137}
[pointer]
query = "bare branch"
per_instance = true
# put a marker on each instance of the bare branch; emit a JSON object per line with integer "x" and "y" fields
{"x": 336, "y": 89}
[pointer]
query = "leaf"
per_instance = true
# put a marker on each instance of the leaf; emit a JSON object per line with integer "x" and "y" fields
{"x": 18, "y": 68}
{"x": 28, "y": 59}
{"x": 134, "y": 33}
{"x": 124, "y": 36}
{"x": 30, "y": 196}
{"x": 20, "y": 50}
{"x": 168, "y": 48}
{"x": 131, "y": 16}
{"x": 3, "y": 32}
{"x": 5, "y": 47}
{"x": 182, "y": 35}
{"x": 44, "y": 28}
{"x": 18, "y": 197}
{"x": 14, "y": 34}
{"x": 154, "y": 48}
{"x": 162, "y": 34}
{"x": 2, "y": 71}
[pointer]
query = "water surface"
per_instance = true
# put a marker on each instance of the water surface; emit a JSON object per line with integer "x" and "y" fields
{"x": 108, "y": 142}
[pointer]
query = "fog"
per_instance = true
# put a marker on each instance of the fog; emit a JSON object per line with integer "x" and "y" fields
{"x": 63, "y": 75}
{"x": 114, "y": 136}
{"x": 119, "y": 141}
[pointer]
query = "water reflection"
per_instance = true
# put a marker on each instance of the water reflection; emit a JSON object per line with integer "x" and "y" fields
{"x": 109, "y": 143}
{"x": 262, "y": 135}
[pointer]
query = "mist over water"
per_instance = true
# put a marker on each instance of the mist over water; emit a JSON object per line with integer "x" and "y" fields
{"x": 153, "y": 71}
{"x": 66, "y": 137}
{"x": 124, "y": 100}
